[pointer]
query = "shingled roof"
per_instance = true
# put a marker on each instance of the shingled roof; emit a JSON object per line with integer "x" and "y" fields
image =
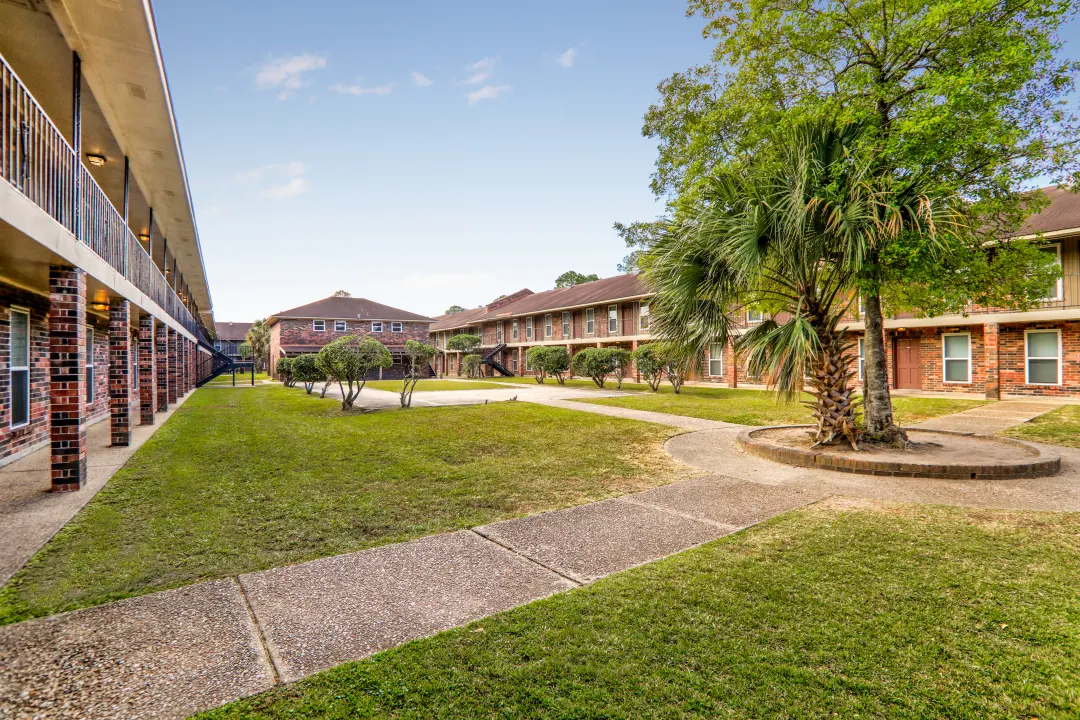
{"x": 348, "y": 308}
{"x": 597, "y": 292}
{"x": 1063, "y": 213}
{"x": 236, "y": 331}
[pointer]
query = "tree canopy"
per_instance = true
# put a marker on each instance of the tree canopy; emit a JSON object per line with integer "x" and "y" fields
{"x": 571, "y": 278}
{"x": 342, "y": 293}
{"x": 454, "y": 309}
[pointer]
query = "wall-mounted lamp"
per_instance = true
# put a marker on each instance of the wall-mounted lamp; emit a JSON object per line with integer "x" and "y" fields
{"x": 145, "y": 238}
{"x": 99, "y": 306}
{"x": 95, "y": 160}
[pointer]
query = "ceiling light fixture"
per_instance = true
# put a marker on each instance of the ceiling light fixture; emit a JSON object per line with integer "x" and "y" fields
{"x": 99, "y": 306}
{"x": 145, "y": 238}
{"x": 95, "y": 160}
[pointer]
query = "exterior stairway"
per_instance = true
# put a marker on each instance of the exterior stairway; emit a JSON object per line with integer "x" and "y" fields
{"x": 489, "y": 359}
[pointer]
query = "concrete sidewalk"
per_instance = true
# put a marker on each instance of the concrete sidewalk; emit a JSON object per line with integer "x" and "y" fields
{"x": 993, "y": 417}
{"x": 30, "y": 515}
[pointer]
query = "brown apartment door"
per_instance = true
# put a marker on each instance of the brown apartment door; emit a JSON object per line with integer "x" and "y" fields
{"x": 908, "y": 364}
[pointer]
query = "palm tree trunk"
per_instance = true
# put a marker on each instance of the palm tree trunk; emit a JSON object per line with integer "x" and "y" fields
{"x": 877, "y": 402}
{"x": 833, "y": 404}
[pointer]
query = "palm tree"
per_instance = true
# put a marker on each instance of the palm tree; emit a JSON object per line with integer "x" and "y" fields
{"x": 789, "y": 235}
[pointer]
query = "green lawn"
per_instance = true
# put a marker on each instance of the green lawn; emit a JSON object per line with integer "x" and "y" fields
{"x": 432, "y": 385}
{"x": 759, "y": 407}
{"x": 570, "y": 382}
{"x": 1057, "y": 427}
{"x": 244, "y": 379}
{"x": 868, "y": 612}
{"x": 241, "y": 481}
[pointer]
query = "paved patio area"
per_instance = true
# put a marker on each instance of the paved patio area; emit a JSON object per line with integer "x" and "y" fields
{"x": 30, "y": 514}
{"x": 993, "y": 417}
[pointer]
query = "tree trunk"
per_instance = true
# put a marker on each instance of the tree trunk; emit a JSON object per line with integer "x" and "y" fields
{"x": 832, "y": 405}
{"x": 877, "y": 403}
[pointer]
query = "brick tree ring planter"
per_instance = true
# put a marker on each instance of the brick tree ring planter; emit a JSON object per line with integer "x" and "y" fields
{"x": 937, "y": 454}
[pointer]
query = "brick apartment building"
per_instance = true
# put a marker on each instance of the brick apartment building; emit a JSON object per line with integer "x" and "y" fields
{"x": 307, "y": 328}
{"x": 230, "y": 336}
{"x": 103, "y": 292}
{"x": 988, "y": 351}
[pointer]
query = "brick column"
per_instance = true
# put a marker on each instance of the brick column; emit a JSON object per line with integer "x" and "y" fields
{"x": 181, "y": 365}
{"x": 194, "y": 348}
{"x": 172, "y": 364}
{"x": 120, "y": 370}
{"x": 161, "y": 360}
{"x": 993, "y": 373}
{"x": 731, "y": 369}
{"x": 147, "y": 378}
{"x": 67, "y": 377}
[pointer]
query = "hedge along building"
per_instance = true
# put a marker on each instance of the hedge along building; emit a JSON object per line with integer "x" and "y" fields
{"x": 103, "y": 290}
{"x": 306, "y": 329}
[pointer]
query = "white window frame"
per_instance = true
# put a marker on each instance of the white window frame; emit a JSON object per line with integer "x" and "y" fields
{"x": 14, "y": 368}
{"x": 515, "y": 333}
{"x": 341, "y": 326}
{"x": 613, "y": 317}
{"x": 499, "y": 332}
{"x": 318, "y": 326}
{"x": 1059, "y": 289}
{"x": 945, "y": 360}
{"x": 643, "y": 315}
{"x": 376, "y": 326}
{"x": 529, "y": 333}
{"x": 528, "y": 363}
{"x": 716, "y": 358}
{"x": 567, "y": 325}
{"x": 548, "y": 329}
{"x": 514, "y": 362}
{"x": 396, "y": 327}
{"x": 88, "y": 364}
{"x": 750, "y": 317}
{"x": 590, "y": 321}
{"x": 1028, "y": 358}
{"x": 862, "y": 358}
{"x": 862, "y": 309}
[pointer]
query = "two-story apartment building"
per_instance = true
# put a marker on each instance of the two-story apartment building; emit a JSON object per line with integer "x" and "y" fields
{"x": 229, "y": 337}
{"x": 306, "y": 329}
{"x": 103, "y": 291}
{"x": 989, "y": 351}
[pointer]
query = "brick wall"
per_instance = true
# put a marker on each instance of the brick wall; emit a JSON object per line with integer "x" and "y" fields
{"x": 99, "y": 407}
{"x": 1012, "y": 359}
{"x": 14, "y": 440}
{"x": 299, "y": 332}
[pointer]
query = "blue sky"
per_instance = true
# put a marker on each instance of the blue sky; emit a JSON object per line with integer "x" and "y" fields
{"x": 419, "y": 154}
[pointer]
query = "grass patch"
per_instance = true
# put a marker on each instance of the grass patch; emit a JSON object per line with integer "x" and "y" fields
{"x": 432, "y": 385}
{"x": 242, "y": 481}
{"x": 245, "y": 379}
{"x": 1057, "y": 427}
{"x": 863, "y": 612}
{"x": 759, "y": 407}
{"x": 572, "y": 382}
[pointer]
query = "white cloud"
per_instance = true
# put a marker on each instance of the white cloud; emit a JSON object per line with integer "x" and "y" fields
{"x": 420, "y": 79}
{"x": 567, "y": 58}
{"x": 296, "y": 186}
{"x": 446, "y": 281}
{"x": 287, "y": 73}
{"x": 294, "y": 168}
{"x": 481, "y": 70}
{"x": 360, "y": 90}
{"x": 488, "y": 92}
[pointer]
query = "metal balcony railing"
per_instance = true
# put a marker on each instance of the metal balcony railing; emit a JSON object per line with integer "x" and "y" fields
{"x": 37, "y": 159}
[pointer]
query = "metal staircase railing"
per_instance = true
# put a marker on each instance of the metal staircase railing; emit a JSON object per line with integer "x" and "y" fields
{"x": 213, "y": 363}
{"x": 490, "y": 360}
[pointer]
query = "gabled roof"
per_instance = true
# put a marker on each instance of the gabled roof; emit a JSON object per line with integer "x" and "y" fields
{"x": 348, "y": 308}
{"x": 232, "y": 330}
{"x": 597, "y": 292}
{"x": 1063, "y": 213}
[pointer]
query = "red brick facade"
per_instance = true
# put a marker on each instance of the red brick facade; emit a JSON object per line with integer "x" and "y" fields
{"x": 33, "y": 434}
{"x": 295, "y": 336}
{"x": 67, "y": 376}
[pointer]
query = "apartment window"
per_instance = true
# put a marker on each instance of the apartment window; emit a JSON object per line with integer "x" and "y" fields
{"x": 318, "y": 325}
{"x": 862, "y": 358}
{"x": 590, "y": 321}
{"x": 861, "y": 308}
{"x": 613, "y": 319}
{"x": 528, "y": 362}
{"x": 514, "y": 363}
{"x": 340, "y": 326}
{"x": 716, "y": 360}
{"x": 753, "y": 317}
{"x": 547, "y": 325}
{"x": 19, "y": 368}
{"x": 528, "y": 331}
{"x": 397, "y": 327}
{"x": 376, "y": 326}
{"x": 1055, "y": 291}
{"x": 514, "y": 330}
{"x": 956, "y": 353}
{"x": 89, "y": 358}
{"x": 499, "y": 333}
{"x": 567, "y": 327}
{"x": 643, "y": 316}
{"x": 1043, "y": 357}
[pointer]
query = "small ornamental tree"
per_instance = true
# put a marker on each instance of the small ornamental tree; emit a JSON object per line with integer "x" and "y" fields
{"x": 554, "y": 361}
{"x": 650, "y": 365}
{"x": 305, "y": 369}
{"x": 285, "y": 371}
{"x": 594, "y": 363}
{"x": 349, "y": 360}
{"x": 418, "y": 357}
{"x": 471, "y": 364}
{"x": 677, "y": 365}
{"x": 244, "y": 350}
{"x": 536, "y": 356}
{"x": 465, "y": 344}
{"x": 622, "y": 360}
